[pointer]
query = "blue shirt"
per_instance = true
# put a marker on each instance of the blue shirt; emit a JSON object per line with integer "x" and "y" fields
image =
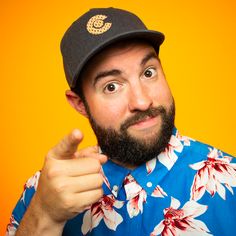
{"x": 189, "y": 189}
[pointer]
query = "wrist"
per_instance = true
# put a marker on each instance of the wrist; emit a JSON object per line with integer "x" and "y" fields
{"x": 37, "y": 221}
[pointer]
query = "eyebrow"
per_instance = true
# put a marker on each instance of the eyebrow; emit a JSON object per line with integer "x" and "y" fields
{"x": 148, "y": 57}
{"x": 116, "y": 72}
{"x": 103, "y": 74}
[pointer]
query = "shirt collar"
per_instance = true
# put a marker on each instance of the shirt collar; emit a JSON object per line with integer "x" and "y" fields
{"x": 147, "y": 175}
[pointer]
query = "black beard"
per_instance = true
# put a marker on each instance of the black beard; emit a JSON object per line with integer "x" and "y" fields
{"x": 127, "y": 150}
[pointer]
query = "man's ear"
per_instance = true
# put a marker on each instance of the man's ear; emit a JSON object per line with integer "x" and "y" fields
{"x": 76, "y": 102}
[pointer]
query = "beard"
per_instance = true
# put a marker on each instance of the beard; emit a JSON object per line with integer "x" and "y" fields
{"x": 125, "y": 149}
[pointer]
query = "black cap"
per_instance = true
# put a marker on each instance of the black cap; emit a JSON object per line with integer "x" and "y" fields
{"x": 97, "y": 29}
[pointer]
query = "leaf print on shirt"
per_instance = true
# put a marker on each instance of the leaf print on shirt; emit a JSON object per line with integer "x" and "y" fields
{"x": 168, "y": 157}
{"x": 181, "y": 222}
{"x": 103, "y": 209}
{"x": 31, "y": 183}
{"x": 135, "y": 195}
{"x": 213, "y": 175}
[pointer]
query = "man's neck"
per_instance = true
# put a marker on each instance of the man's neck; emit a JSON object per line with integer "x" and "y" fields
{"x": 127, "y": 166}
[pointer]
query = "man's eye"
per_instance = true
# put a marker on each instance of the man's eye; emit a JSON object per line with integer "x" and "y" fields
{"x": 111, "y": 88}
{"x": 150, "y": 72}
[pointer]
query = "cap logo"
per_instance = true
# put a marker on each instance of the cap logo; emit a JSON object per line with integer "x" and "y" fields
{"x": 96, "y": 25}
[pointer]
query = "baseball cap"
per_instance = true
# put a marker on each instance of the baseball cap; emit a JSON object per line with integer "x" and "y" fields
{"x": 97, "y": 29}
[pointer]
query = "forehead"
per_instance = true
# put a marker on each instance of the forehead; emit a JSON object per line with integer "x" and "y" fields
{"x": 114, "y": 53}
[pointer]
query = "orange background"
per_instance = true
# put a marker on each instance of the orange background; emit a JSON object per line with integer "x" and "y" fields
{"x": 198, "y": 56}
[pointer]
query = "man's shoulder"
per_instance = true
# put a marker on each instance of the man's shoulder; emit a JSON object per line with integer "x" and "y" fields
{"x": 201, "y": 150}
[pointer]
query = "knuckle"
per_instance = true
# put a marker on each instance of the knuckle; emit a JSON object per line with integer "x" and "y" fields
{"x": 67, "y": 202}
{"x": 82, "y": 153}
{"x": 86, "y": 152}
{"x": 63, "y": 143}
{"x": 53, "y": 172}
{"x": 60, "y": 187}
{"x": 65, "y": 147}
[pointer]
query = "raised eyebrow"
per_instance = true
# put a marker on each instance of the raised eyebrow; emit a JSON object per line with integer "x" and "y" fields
{"x": 149, "y": 56}
{"x": 104, "y": 74}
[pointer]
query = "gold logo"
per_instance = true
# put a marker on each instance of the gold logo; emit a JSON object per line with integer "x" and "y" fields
{"x": 96, "y": 25}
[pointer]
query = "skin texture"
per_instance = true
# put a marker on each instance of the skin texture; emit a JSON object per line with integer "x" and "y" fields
{"x": 120, "y": 83}
{"x": 70, "y": 181}
{"x": 62, "y": 192}
{"x": 134, "y": 92}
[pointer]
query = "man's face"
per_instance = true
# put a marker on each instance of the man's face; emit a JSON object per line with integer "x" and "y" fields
{"x": 129, "y": 103}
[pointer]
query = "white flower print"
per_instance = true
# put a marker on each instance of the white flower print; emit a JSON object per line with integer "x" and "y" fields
{"x": 181, "y": 222}
{"x": 135, "y": 205}
{"x": 135, "y": 195}
{"x": 31, "y": 183}
{"x": 103, "y": 209}
{"x": 186, "y": 140}
{"x": 159, "y": 192}
{"x": 11, "y": 229}
{"x": 168, "y": 157}
{"x": 150, "y": 165}
{"x": 213, "y": 175}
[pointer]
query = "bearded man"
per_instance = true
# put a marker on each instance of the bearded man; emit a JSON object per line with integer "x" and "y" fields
{"x": 143, "y": 178}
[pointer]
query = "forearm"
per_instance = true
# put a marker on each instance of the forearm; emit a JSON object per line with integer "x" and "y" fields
{"x": 36, "y": 222}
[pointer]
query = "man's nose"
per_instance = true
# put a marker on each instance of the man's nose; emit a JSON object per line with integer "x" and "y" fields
{"x": 139, "y": 98}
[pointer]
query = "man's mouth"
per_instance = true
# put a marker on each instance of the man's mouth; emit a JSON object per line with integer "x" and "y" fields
{"x": 146, "y": 122}
{"x": 141, "y": 120}
{"x": 144, "y": 119}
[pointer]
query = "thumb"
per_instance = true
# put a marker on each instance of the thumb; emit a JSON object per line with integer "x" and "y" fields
{"x": 66, "y": 148}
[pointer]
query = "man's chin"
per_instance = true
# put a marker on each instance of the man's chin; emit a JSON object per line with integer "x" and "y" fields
{"x": 145, "y": 137}
{"x": 133, "y": 146}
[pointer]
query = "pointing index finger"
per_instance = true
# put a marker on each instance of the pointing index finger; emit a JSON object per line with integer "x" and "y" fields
{"x": 66, "y": 148}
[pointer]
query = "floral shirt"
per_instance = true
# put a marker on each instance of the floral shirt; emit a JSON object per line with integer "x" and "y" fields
{"x": 189, "y": 189}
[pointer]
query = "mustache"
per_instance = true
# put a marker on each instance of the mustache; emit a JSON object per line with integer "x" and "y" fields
{"x": 141, "y": 115}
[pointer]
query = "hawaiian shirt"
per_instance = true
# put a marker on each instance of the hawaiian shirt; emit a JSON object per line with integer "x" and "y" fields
{"x": 188, "y": 189}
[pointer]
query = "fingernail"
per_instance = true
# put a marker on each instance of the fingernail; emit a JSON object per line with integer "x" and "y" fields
{"x": 77, "y": 133}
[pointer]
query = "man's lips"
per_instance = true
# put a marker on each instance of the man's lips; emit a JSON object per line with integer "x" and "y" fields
{"x": 143, "y": 119}
{"x": 146, "y": 122}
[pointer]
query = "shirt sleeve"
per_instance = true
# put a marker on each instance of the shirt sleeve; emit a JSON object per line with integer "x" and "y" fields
{"x": 22, "y": 204}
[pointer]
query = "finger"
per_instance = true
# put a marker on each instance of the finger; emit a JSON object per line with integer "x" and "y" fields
{"x": 80, "y": 184}
{"x": 87, "y": 183}
{"x": 101, "y": 157}
{"x": 67, "y": 146}
{"x": 78, "y": 167}
{"x": 87, "y": 198}
{"x": 88, "y": 150}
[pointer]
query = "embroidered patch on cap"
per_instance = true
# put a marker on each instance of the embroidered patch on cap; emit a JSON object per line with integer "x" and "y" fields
{"x": 96, "y": 25}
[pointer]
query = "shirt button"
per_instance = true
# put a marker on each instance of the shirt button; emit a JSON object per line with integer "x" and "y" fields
{"x": 149, "y": 184}
{"x": 115, "y": 188}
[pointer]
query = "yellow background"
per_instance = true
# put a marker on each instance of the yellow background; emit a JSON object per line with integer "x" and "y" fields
{"x": 198, "y": 56}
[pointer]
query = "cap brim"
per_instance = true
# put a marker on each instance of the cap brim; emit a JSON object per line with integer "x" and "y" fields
{"x": 154, "y": 37}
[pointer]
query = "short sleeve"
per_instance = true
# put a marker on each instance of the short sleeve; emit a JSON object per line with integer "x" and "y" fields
{"x": 22, "y": 204}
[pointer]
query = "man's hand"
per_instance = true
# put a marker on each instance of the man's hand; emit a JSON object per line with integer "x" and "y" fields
{"x": 70, "y": 182}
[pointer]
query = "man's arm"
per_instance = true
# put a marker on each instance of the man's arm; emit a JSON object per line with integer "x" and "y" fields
{"x": 70, "y": 182}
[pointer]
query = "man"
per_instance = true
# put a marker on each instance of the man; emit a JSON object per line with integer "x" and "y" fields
{"x": 144, "y": 178}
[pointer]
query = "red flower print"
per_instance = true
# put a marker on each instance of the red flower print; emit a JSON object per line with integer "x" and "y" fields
{"x": 135, "y": 195}
{"x": 213, "y": 175}
{"x": 103, "y": 209}
{"x": 181, "y": 222}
